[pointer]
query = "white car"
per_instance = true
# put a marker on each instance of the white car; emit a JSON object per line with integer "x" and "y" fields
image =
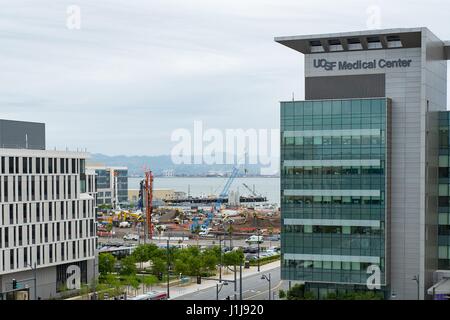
{"x": 133, "y": 237}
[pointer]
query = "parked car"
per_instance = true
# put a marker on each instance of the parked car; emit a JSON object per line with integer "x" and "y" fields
{"x": 275, "y": 237}
{"x": 133, "y": 237}
{"x": 271, "y": 253}
{"x": 251, "y": 257}
{"x": 251, "y": 250}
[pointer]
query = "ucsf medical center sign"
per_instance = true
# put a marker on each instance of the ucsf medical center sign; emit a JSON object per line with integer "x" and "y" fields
{"x": 361, "y": 65}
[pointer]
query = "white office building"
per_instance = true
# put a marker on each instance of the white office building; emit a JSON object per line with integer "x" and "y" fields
{"x": 47, "y": 222}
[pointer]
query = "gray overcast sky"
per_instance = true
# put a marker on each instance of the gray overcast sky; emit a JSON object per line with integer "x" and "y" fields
{"x": 136, "y": 70}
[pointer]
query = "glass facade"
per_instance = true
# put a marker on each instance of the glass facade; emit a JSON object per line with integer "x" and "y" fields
{"x": 334, "y": 180}
{"x": 105, "y": 184}
{"x": 444, "y": 192}
{"x": 103, "y": 179}
{"x": 122, "y": 186}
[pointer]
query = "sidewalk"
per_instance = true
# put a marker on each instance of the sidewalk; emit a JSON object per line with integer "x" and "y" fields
{"x": 178, "y": 291}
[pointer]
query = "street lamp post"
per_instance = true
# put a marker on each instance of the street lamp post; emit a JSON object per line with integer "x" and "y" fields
{"x": 259, "y": 250}
{"x": 220, "y": 266}
{"x": 416, "y": 278}
{"x": 168, "y": 267}
{"x": 34, "y": 279}
{"x": 255, "y": 217}
{"x": 264, "y": 277}
{"x": 231, "y": 233}
{"x": 219, "y": 289}
{"x": 240, "y": 281}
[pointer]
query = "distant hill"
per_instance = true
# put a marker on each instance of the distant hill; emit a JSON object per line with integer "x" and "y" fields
{"x": 161, "y": 164}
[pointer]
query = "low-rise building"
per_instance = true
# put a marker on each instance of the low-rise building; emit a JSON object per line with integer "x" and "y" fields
{"x": 47, "y": 217}
{"x": 111, "y": 184}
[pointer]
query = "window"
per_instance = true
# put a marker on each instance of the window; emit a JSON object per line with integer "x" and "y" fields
{"x": 20, "y": 235}
{"x": 45, "y": 188}
{"x": 33, "y": 234}
{"x": 50, "y": 165}
{"x": 19, "y": 187}
{"x": 38, "y": 165}
{"x": 25, "y": 164}
{"x": 25, "y": 213}
{"x": 46, "y": 232}
{"x": 5, "y": 189}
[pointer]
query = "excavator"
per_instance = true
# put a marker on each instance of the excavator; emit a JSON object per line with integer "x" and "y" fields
{"x": 128, "y": 215}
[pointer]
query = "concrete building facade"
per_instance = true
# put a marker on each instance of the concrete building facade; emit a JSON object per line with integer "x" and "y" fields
{"x": 47, "y": 223}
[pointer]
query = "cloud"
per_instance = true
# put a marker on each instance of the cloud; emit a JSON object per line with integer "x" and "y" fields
{"x": 137, "y": 70}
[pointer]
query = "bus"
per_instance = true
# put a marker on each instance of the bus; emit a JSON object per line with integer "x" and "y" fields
{"x": 151, "y": 295}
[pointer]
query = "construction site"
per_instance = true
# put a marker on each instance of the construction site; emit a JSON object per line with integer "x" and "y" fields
{"x": 226, "y": 214}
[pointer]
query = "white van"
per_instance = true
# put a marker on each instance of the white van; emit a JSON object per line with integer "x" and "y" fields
{"x": 254, "y": 239}
{"x": 124, "y": 224}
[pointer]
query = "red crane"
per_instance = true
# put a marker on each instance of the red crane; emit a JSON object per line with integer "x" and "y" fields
{"x": 149, "y": 204}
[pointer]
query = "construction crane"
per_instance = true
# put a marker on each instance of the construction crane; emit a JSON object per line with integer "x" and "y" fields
{"x": 149, "y": 201}
{"x": 218, "y": 204}
{"x": 225, "y": 190}
{"x": 249, "y": 189}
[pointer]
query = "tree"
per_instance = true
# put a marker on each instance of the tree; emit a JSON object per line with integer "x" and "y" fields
{"x": 358, "y": 295}
{"x": 132, "y": 281}
{"x": 149, "y": 281}
{"x": 209, "y": 261}
{"x": 193, "y": 262}
{"x": 113, "y": 283}
{"x": 159, "y": 265}
{"x": 297, "y": 292}
{"x": 282, "y": 294}
{"x": 233, "y": 258}
{"x": 181, "y": 266}
{"x": 84, "y": 291}
{"x": 128, "y": 266}
{"x": 141, "y": 254}
{"x": 106, "y": 263}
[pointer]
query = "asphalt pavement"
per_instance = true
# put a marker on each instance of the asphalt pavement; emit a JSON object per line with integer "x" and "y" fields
{"x": 253, "y": 288}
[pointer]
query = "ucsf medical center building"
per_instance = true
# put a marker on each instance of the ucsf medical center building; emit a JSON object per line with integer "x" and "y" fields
{"x": 365, "y": 194}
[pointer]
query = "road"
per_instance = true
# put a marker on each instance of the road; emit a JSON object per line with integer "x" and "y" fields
{"x": 201, "y": 242}
{"x": 254, "y": 288}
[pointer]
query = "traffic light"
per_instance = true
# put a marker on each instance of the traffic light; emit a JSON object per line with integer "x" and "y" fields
{"x": 199, "y": 280}
{"x": 160, "y": 276}
{"x": 14, "y": 284}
